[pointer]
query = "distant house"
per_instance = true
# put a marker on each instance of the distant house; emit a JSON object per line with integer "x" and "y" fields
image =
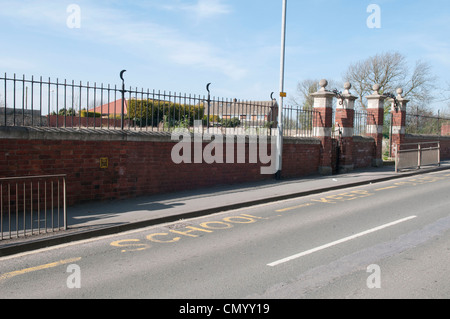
{"x": 251, "y": 113}
{"x": 112, "y": 109}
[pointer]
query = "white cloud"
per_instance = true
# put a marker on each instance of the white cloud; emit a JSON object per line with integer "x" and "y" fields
{"x": 144, "y": 38}
{"x": 209, "y": 8}
{"x": 202, "y": 9}
{"x": 431, "y": 47}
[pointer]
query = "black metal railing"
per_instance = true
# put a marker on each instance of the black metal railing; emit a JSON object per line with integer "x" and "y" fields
{"x": 298, "y": 122}
{"x": 53, "y": 103}
{"x": 360, "y": 123}
{"x": 426, "y": 124}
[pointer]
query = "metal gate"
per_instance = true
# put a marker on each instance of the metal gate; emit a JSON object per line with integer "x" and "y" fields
{"x": 335, "y": 155}
{"x": 336, "y": 149}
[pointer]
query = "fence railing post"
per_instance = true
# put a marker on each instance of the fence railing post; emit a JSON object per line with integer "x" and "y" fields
{"x": 419, "y": 156}
{"x": 122, "y": 117}
{"x": 208, "y": 111}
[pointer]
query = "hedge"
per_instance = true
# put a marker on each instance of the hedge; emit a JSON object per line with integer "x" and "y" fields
{"x": 151, "y": 112}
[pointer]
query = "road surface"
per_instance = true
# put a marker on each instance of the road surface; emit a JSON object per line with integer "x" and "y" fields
{"x": 386, "y": 240}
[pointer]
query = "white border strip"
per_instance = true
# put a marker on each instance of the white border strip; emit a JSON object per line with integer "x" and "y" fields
{"x": 337, "y": 242}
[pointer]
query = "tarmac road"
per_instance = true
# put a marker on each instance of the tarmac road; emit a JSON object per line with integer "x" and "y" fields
{"x": 386, "y": 240}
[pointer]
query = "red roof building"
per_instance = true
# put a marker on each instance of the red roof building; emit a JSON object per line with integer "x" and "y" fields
{"x": 113, "y": 108}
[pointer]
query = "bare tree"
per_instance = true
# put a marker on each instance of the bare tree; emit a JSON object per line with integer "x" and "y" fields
{"x": 446, "y": 111}
{"x": 391, "y": 71}
{"x": 445, "y": 98}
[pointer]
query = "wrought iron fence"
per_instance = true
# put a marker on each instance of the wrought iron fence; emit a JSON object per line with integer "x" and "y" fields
{"x": 49, "y": 103}
{"x": 426, "y": 124}
{"x": 32, "y": 205}
{"x": 360, "y": 123}
{"x": 298, "y": 122}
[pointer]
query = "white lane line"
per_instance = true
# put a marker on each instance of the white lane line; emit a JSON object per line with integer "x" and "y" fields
{"x": 337, "y": 242}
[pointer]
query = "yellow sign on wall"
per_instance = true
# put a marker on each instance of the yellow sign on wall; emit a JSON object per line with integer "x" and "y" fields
{"x": 104, "y": 162}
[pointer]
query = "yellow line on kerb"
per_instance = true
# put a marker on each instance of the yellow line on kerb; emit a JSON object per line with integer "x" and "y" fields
{"x": 292, "y": 208}
{"x": 42, "y": 267}
{"x": 382, "y": 189}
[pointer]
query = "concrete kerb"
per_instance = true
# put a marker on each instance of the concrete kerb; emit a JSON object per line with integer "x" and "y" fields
{"x": 73, "y": 235}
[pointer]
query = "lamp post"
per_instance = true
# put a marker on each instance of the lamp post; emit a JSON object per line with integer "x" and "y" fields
{"x": 282, "y": 94}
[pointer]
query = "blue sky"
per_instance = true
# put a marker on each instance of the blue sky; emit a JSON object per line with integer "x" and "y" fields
{"x": 181, "y": 45}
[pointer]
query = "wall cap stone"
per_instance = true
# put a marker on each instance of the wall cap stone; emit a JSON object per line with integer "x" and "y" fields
{"x": 71, "y": 134}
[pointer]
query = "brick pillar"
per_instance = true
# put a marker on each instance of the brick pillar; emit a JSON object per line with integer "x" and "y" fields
{"x": 322, "y": 124}
{"x": 345, "y": 115}
{"x": 398, "y": 120}
{"x": 375, "y": 119}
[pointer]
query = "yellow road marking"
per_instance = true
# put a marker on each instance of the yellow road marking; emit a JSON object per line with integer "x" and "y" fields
{"x": 385, "y": 188}
{"x": 122, "y": 243}
{"x": 292, "y": 208}
{"x": 42, "y": 267}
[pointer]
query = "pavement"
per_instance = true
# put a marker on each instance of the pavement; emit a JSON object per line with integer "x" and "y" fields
{"x": 106, "y": 218}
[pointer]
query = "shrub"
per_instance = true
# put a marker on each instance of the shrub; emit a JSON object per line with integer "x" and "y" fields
{"x": 84, "y": 113}
{"x": 66, "y": 112}
{"x": 234, "y": 122}
{"x": 151, "y": 113}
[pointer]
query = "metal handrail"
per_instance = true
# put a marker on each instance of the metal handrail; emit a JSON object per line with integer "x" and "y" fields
{"x": 18, "y": 205}
{"x": 31, "y": 177}
{"x": 419, "y": 150}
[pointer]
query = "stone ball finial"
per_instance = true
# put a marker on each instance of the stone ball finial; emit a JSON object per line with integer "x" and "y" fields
{"x": 347, "y": 86}
{"x": 323, "y": 83}
{"x": 376, "y": 87}
{"x": 400, "y": 91}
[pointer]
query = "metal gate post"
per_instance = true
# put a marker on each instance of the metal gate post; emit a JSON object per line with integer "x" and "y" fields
{"x": 396, "y": 157}
{"x": 419, "y": 156}
{"x": 439, "y": 154}
{"x": 65, "y": 202}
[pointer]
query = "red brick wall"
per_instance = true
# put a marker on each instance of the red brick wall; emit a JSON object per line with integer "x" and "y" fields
{"x": 75, "y": 121}
{"x": 363, "y": 152}
{"x": 300, "y": 159}
{"x": 445, "y": 129}
{"x": 445, "y": 143}
{"x": 136, "y": 167}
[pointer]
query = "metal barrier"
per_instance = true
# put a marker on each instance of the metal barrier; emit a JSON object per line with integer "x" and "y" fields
{"x": 32, "y": 205}
{"x": 417, "y": 155}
